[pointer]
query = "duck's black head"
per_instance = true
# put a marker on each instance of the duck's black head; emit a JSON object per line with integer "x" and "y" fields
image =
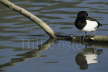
{"x": 82, "y": 14}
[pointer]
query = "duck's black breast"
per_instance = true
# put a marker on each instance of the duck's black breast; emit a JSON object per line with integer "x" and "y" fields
{"x": 80, "y": 23}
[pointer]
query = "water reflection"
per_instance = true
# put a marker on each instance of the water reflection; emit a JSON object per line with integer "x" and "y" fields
{"x": 30, "y": 54}
{"x": 87, "y": 56}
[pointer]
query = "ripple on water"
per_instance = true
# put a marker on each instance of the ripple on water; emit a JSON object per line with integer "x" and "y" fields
{"x": 19, "y": 35}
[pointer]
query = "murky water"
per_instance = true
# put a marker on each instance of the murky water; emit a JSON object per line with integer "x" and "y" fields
{"x": 24, "y": 47}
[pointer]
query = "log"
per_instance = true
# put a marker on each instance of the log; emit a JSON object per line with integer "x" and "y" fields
{"x": 34, "y": 18}
{"x": 87, "y": 38}
{"x": 100, "y": 38}
{"x": 97, "y": 41}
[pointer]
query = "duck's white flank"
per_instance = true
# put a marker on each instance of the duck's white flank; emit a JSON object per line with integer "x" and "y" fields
{"x": 91, "y": 58}
{"x": 90, "y": 26}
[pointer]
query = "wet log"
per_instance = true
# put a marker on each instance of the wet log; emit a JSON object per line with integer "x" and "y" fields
{"x": 87, "y": 38}
{"x": 100, "y": 38}
{"x": 32, "y": 17}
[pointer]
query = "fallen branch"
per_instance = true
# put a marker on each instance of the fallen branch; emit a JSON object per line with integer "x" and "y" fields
{"x": 34, "y": 18}
{"x": 88, "y": 38}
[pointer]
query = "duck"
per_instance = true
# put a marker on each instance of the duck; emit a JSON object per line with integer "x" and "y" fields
{"x": 85, "y": 23}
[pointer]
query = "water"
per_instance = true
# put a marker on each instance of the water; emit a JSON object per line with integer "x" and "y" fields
{"x": 24, "y": 46}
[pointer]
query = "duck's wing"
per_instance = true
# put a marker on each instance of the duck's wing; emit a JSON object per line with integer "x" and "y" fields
{"x": 92, "y": 19}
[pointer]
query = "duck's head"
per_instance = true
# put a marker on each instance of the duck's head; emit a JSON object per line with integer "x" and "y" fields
{"x": 82, "y": 14}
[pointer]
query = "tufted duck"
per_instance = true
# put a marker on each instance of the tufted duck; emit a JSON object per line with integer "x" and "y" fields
{"x": 85, "y": 23}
